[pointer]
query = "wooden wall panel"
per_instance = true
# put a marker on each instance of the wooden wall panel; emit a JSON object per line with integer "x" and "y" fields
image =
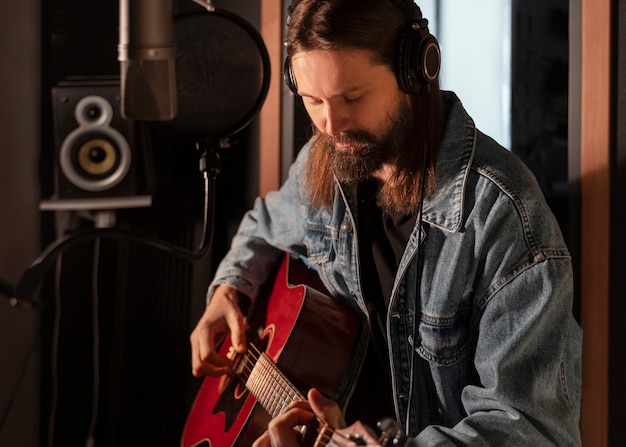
{"x": 595, "y": 216}
{"x": 270, "y": 116}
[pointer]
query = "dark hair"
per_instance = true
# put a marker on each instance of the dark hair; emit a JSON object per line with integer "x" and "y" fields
{"x": 339, "y": 24}
{"x": 375, "y": 26}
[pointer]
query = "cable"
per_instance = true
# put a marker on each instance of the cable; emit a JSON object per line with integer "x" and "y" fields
{"x": 96, "y": 344}
{"x": 33, "y": 276}
{"x": 418, "y": 281}
{"x": 416, "y": 301}
{"x": 54, "y": 352}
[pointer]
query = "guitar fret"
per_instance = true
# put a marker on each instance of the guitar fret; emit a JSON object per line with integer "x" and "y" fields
{"x": 277, "y": 401}
{"x": 274, "y": 402}
{"x": 259, "y": 381}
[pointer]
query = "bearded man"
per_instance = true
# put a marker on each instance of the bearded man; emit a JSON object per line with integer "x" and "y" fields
{"x": 437, "y": 236}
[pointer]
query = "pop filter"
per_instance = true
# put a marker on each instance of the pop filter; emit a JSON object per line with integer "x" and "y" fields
{"x": 222, "y": 75}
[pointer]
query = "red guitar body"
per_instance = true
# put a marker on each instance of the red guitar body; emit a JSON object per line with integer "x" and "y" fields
{"x": 307, "y": 335}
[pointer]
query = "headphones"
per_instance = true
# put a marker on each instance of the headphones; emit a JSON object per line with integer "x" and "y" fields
{"x": 418, "y": 57}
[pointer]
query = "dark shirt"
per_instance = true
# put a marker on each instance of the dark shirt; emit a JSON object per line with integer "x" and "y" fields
{"x": 382, "y": 240}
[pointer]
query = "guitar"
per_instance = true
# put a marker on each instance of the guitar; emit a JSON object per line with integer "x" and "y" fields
{"x": 298, "y": 338}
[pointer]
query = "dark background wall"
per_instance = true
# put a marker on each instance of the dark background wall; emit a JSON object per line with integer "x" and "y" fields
{"x": 19, "y": 221}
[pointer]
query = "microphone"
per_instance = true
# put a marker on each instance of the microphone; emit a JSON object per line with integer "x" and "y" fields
{"x": 146, "y": 52}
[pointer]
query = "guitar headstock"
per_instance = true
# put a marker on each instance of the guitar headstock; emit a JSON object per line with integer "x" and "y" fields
{"x": 391, "y": 435}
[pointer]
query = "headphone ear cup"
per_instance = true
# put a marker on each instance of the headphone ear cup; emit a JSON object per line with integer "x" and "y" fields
{"x": 430, "y": 59}
{"x": 288, "y": 76}
{"x": 418, "y": 60}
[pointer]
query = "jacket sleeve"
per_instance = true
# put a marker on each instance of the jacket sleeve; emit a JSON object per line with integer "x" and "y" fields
{"x": 272, "y": 227}
{"x": 528, "y": 361}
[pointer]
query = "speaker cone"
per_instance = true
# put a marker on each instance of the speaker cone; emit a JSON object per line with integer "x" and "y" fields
{"x": 95, "y": 158}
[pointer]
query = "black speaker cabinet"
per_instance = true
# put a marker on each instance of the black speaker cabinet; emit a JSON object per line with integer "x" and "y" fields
{"x": 102, "y": 159}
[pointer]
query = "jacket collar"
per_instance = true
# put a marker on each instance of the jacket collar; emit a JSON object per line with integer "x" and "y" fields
{"x": 444, "y": 208}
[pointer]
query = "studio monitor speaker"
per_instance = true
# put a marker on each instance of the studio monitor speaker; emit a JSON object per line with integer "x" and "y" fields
{"x": 101, "y": 157}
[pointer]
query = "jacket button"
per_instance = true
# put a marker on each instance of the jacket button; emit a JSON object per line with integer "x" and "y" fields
{"x": 346, "y": 227}
{"x": 447, "y": 353}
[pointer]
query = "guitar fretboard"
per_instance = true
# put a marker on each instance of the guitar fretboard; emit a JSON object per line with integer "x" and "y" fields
{"x": 267, "y": 383}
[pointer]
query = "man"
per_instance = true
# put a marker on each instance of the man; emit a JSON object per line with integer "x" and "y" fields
{"x": 439, "y": 237}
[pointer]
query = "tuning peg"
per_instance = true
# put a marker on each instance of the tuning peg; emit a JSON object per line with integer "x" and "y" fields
{"x": 391, "y": 433}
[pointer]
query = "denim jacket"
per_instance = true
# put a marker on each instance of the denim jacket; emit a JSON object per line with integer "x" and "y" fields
{"x": 483, "y": 346}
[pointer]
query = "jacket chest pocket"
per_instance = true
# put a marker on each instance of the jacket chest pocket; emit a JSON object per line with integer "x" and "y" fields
{"x": 319, "y": 243}
{"x": 444, "y": 341}
{"x": 324, "y": 243}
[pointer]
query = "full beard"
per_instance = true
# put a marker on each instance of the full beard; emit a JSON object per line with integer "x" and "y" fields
{"x": 368, "y": 152}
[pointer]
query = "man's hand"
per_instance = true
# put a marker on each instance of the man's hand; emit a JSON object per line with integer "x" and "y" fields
{"x": 283, "y": 429}
{"x": 222, "y": 314}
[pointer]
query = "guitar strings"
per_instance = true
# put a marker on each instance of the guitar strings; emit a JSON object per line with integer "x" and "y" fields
{"x": 286, "y": 392}
{"x": 248, "y": 362}
{"x": 269, "y": 373}
{"x": 275, "y": 401}
{"x": 325, "y": 433}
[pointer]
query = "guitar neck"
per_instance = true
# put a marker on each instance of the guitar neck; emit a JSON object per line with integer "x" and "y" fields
{"x": 274, "y": 392}
{"x": 266, "y": 382}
